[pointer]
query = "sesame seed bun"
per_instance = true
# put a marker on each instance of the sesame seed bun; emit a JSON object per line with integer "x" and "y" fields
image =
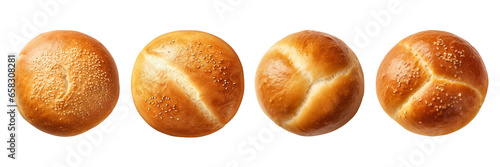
{"x": 432, "y": 83}
{"x": 66, "y": 82}
{"x": 309, "y": 83}
{"x": 187, "y": 83}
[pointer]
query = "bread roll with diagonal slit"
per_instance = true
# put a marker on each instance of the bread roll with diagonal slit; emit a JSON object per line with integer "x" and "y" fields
{"x": 432, "y": 83}
{"x": 309, "y": 83}
{"x": 187, "y": 83}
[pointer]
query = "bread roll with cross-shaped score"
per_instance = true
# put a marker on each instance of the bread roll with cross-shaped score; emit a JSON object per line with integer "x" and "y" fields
{"x": 309, "y": 83}
{"x": 432, "y": 83}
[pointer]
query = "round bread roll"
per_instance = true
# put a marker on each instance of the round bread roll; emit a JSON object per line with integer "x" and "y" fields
{"x": 187, "y": 83}
{"x": 66, "y": 82}
{"x": 432, "y": 83}
{"x": 309, "y": 83}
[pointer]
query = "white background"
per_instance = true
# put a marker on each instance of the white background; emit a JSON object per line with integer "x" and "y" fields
{"x": 251, "y": 27}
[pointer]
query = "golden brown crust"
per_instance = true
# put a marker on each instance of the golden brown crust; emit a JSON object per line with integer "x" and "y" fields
{"x": 66, "y": 82}
{"x": 309, "y": 83}
{"x": 197, "y": 72}
{"x": 432, "y": 83}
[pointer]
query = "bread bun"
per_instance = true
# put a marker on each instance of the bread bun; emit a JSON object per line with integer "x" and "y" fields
{"x": 309, "y": 83}
{"x": 66, "y": 82}
{"x": 432, "y": 83}
{"x": 187, "y": 83}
